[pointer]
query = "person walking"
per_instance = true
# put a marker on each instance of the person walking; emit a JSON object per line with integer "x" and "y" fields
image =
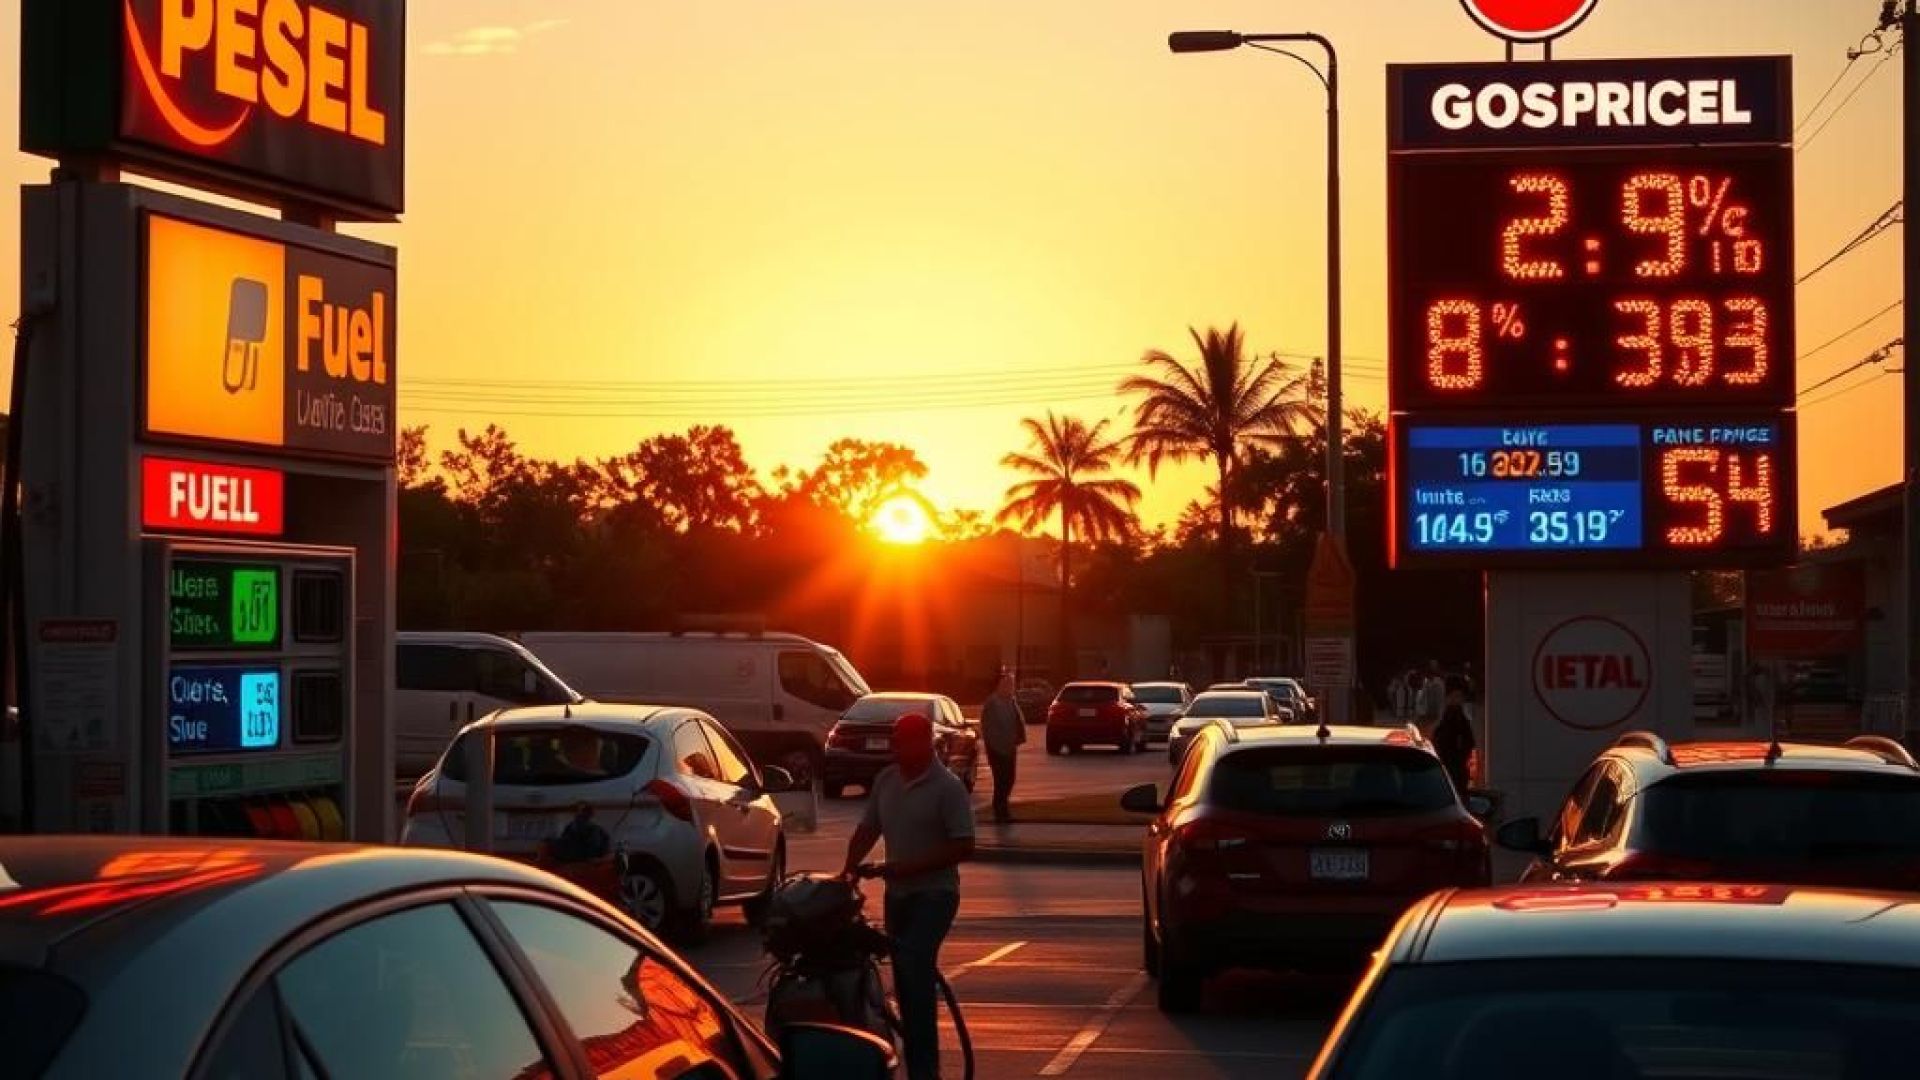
{"x": 924, "y": 814}
{"x": 1453, "y": 736}
{"x": 1005, "y": 731}
{"x": 1432, "y": 700}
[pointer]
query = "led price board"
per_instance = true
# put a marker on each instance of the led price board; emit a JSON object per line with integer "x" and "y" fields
{"x": 222, "y": 709}
{"x": 223, "y": 606}
{"x": 1675, "y": 492}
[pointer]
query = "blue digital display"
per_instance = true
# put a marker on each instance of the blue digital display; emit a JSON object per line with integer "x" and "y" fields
{"x": 222, "y": 709}
{"x": 1553, "y": 487}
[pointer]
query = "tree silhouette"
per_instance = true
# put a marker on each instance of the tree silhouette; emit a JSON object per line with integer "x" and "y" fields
{"x": 1069, "y": 462}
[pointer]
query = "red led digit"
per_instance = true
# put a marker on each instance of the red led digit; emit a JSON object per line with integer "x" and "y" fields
{"x": 1680, "y": 470}
{"x": 1513, "y": 257}
{"x": 1758, "y": 493}
{"x": 1669, "y": 221}
{"x": 1691, "y": 331}
{"x": 1456, "y": 353}
{"x": 1750, "y": 336}
{"x": 1646, "y": 342}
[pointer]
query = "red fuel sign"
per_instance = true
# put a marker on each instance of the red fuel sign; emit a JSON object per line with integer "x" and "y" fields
{"x": 1528, "y": 20}
{"x": 200, "y": 496}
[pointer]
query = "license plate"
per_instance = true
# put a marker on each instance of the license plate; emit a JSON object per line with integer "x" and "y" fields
{"x": 1088, "y": 714}
{"x": 878, "y": 745}
{"x": 1337, "y": 864}
{"x": 530, "y": 827}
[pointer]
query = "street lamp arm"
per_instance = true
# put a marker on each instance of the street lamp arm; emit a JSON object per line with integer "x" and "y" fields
{"x": 1304, "y": 62}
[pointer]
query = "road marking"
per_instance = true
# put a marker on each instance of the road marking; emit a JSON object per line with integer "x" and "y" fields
{"x": 1000, "y": 953}
{"x": 1096, "y": 1027}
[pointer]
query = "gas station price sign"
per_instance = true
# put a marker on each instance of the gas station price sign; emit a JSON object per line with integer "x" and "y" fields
{"x": 223, "y": 709}
{"x": 1672, "y": 492}
{"x": 218, "y": 606}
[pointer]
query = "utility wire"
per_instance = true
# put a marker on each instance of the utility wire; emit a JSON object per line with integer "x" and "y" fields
{"x": 1853, "y": 57}
{"x": 1845, "y": 390}
{"x": 1876, "y": 356}
{"x": 1886, "y": 54}
{"x": 1851, "y": 330}
{"x": 1893, "y": 215}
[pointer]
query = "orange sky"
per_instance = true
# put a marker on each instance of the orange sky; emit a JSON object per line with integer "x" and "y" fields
{"x": 643, "y": 191}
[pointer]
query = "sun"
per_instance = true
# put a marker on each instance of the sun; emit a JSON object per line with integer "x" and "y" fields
{"x": 902, "y": 519}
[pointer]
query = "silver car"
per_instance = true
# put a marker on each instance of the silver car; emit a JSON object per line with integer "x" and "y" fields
{"x": 225, "y": 959}
{"x": 1241, "y": 708}
{"x": 1166, "y": 703}
{"x": 672, "y": 789}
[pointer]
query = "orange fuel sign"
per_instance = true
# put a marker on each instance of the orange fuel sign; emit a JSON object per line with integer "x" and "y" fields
{"x": 254, "y": 342}
{"x": 297, "y": 99}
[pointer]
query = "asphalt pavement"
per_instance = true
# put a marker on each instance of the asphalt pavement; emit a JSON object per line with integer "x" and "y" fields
{"x": 1045, "y": 959}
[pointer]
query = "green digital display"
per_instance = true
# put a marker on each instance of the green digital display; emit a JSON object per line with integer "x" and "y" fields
{"x": 217, "y": 606}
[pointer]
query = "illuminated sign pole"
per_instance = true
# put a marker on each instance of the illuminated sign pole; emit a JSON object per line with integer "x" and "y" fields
{"x": 209, "y": 418}
{"x": 1592, "y": 376}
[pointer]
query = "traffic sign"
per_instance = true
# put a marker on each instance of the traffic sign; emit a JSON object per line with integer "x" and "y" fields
{"x": 1529, "y": 20}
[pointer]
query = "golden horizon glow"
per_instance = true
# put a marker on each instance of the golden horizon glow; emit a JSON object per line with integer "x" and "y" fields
{"x": 902, "y": 520}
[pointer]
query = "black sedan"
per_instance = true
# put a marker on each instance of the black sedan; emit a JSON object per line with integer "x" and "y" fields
{"x": 861, "y": 744}
{"x": 156, "y": 957}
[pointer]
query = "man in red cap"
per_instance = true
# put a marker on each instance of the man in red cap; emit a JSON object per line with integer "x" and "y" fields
{"x": 926, "y": 817}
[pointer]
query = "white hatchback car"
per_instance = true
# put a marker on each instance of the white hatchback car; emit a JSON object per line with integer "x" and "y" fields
{"x": 694, "y": 818}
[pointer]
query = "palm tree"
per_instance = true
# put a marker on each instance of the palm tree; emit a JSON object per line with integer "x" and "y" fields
{"x": 1069, "y": 462}
{"x": 1215, "y": 409}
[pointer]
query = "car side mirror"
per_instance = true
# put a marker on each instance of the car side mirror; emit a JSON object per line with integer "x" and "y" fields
{"x": 775, "y": 780}
{"x": 813, "y": 1050}
{"x": 1522, "y": 835}
{"x": 1144, "y": 799}
{"x": 1480, "y": 806}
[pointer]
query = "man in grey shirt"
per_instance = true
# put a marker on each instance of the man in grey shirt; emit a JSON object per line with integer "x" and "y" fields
{"x": 1004, "y": 730}
{"x": 926, "y": 817}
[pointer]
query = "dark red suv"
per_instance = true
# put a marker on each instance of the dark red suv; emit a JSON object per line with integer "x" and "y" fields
{"x": 1096, "y": 713}
{"x": 1792, "y": 813}
{"x": 1295, "y": 848}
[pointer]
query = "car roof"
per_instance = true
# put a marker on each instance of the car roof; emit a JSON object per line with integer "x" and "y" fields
{"x": 1161, "y": 682}
{"x": 1241, "y": 693}
{"x": 901, "y": 695}
{"x": 454, "y": 637}
{"x": 1331, "y": 735}
{"x": 601, "y": 716}
{"x": 1096, "y": 682}
{"x": 1684, "y": 920}
{"x": 1653, "y": 759}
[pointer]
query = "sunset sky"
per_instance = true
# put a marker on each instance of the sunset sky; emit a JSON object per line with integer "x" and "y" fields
{"x": 941, "y": 215}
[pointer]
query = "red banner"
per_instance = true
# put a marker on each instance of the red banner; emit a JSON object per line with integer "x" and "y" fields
{"x": 1806, "y": 611}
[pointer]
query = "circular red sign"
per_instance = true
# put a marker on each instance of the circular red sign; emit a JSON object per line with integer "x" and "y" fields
{"x": 1592, "y": 673}
{"x": 1528, "y": 20}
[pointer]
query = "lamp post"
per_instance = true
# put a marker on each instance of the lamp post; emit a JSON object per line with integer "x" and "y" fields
{"x": 1194, "y": 41}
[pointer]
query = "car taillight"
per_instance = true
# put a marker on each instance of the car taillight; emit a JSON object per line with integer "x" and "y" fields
{"x": 1653, "y": 866}
{"x": 1204, "y": 835}
{"x": 844, "y": 740}
{"x": 672, "y": 799}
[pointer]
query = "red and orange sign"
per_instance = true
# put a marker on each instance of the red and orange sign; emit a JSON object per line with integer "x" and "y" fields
{"x": 202, "y": 496}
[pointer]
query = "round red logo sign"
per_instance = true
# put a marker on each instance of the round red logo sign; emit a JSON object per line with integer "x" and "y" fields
{"x": 1591, "y": 673}
{"x": 1528, "y": 20}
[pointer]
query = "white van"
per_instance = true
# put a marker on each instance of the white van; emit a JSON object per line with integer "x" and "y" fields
{"x": 779, "y": 694}
{"x": 445, "y": 681}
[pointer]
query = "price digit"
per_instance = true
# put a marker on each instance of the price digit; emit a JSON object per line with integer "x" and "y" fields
{"x": 1750, "y": 336}
{"x": 1675, "y": 482}
{"x": 1513, "y": 256}
{"x": 1646, "y": 342}
{"x": 1456, "y": 356}
{"x": 1758, "y": 493}
{"x": 1692, "y": 337}
{"x": 1669, "y": 223}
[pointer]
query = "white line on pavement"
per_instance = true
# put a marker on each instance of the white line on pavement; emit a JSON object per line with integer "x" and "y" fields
{"x": 998, "y": 954}
{"x": 1096, "y": 1027}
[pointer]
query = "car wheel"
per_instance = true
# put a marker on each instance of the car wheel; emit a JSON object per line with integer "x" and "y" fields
{"x": 755, "y": 909}
{"x": 1182, "y": 984}
{"x": 695, "y": 922}
{"x": 647, "y": 897}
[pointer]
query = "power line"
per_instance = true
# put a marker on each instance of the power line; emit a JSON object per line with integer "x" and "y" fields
{"x": 1851, "y": 330}
{"x": 1876, "y": 356}
{"x": 1845, "y": 390}
{"x": 1886, "y": 54}
{"x": 1853, "y": 57}
{"x": 1893, "y": 215}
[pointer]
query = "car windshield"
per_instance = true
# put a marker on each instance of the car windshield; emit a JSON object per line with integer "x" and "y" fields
{"x": 1323, "y": 781}
{"x": 1280, "y": 689}
{"x": 1228, "y": 705}
{"x": 1793, "y": 815}
{"x": 847, "y": 672}
{"x": 38, "y": 1010}
{"x": 1090, "y": 695}
{"x": 1157, "y": 695}
{"x": 886, "y": 710}
{"x": 1580, "y": 1019}
{"x": 554, "y": 756}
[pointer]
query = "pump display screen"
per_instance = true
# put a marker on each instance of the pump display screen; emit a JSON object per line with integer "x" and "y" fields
{"x": 1652, "y": 493}
{"x": 223, "y": 709}
{"x": 223, "y": 606}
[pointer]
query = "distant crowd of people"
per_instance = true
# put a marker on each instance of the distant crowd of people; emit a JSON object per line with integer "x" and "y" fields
{"x": 1440, "y": 703}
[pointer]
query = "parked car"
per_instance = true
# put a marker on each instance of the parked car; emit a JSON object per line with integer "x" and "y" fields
{"x": 1239, "y": 706}
{"x": 779, "y": 694}
{"x": 1294, "y": 848}
{"x": 1735, "y": 811}
{"x": 1283, "y": 710}
{"x": 133, "y": 956}
{"x": 1103, "y": 713}
{"x": 1033, "y": 696}
{"x": 1644, "y": 980}
{"x": 1165, "y": 702}
{"x": 445, "y": 681}
{"x": 672, "y": 789}
{"x": 1291, "y": 695}
{"x": 861, "y": 744}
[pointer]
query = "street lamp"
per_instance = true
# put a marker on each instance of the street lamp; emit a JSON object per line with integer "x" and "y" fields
{"x": 1195, "y": 41}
